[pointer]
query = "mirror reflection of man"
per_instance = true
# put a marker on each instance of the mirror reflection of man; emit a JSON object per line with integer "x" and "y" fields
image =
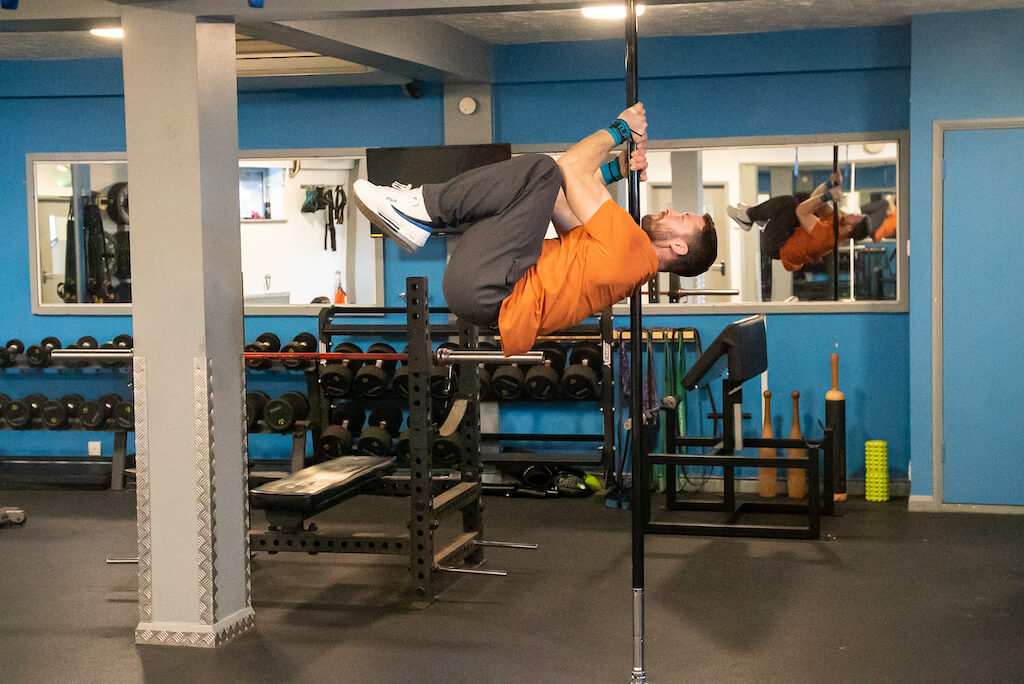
{"x": 798, "y": 230}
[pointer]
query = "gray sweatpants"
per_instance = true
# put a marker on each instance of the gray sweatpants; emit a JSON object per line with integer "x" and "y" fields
{"x": 508, "y": 206}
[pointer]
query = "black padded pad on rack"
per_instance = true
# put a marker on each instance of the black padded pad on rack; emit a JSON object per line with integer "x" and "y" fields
{"x": 321, "y": 486}
{"x": 740, "y": 347}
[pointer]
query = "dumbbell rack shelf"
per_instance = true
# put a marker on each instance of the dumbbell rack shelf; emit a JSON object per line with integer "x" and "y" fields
{"x": 119, "y": 455}
{"x": 602, "y": 333}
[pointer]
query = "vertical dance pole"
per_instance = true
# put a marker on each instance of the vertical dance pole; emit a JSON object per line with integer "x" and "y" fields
{"x": 835, "y": 232}
{"x": 638, "y": 507}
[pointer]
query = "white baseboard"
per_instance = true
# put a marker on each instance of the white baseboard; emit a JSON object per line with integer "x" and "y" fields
{"x": 929, "y": 504}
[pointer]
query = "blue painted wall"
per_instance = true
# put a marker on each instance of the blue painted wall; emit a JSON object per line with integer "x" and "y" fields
{"x": 966, "y": 66}
{"x": 694, "y": 87}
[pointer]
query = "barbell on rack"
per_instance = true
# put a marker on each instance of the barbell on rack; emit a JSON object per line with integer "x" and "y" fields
{"x": 442, "y": 356}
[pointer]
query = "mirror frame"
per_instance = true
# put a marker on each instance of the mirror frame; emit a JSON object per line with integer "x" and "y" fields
{"x": 713, "y": 305}
{"x": 125, "y": 309}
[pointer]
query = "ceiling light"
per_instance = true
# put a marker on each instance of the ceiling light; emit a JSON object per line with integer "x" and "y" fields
{"x": 113, "y": 32}
{"x": 609, "y": 11}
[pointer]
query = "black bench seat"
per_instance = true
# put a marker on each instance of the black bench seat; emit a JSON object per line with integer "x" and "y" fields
{"x": 317, "y": 488}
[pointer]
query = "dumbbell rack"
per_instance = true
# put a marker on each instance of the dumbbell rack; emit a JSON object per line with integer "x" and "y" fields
{"x": 312, "y": 424}
{"x": 601, "y": 332}
{"x": 119, "y": 456}
{"x": 432, "y": 496}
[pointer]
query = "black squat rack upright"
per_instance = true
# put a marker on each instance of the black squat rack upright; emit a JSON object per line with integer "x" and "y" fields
{"x": 433, "y": 496}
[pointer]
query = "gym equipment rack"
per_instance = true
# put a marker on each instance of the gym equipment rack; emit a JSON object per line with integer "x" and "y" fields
{"x": 432, "y": 496}
{"x": 60, "y": 365}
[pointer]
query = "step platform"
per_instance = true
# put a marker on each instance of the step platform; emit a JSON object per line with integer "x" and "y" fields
{"x": 311, "y": 490}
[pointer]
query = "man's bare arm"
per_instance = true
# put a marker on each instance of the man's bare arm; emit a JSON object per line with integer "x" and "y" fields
{"x": 585, "y": 191}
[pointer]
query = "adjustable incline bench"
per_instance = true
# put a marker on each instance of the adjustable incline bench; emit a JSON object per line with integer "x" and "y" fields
{"x": 290, "y": 501}
{"x": 740, "y": 351}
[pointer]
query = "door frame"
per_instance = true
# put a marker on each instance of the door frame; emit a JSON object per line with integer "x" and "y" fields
{"x": 939, "y": 128}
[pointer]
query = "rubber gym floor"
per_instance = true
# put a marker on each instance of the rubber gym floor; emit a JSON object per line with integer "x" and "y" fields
{"x": 887, "y": 597}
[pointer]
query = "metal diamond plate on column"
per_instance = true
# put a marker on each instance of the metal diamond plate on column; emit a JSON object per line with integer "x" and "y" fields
{"x": 142, "y": 501}
{"x": 212, "y": 639}
{"x": 245, "y": 498}
{"x": 203, "y": 487}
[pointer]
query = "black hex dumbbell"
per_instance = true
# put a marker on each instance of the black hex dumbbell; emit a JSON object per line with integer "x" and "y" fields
{"x": 337, "y": 438}
{"x": 372, "y": 379}
{"x": 385, "y": 424}
{"x": 38, "y": 355}
{"x": 56, "y": 413}
{"x": 303, "y": 343}
{"x": 119, "y": 342}
{"x": 94, "y": 414}
{"x": 400, "y": 380}
{"x": 124, "y": 415}
{"x": 281, "y": 413}
{"x": 485, "y": 371}
{"x": 10, "y": 351}
{"x": 544, "y": 381}
{"x": 255, "y": 401}
{"x": 266, "y": 342}
{"x": 507, "y": 382}
{"x": 581, "y": 379}
{"x": 20, "y": 412}
{"x": 337, "y": 377}
{"x": 447, "y": 450}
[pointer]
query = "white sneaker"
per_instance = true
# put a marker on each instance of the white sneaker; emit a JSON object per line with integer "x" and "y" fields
{"x": 739, "y": 215}
{"x": 396, "y": 210}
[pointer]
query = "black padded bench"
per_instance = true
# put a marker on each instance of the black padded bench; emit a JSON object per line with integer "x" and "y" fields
{"x": 291, "y": 500}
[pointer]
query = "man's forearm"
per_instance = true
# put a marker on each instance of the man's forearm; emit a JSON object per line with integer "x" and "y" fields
{"x": 586, "y": 156}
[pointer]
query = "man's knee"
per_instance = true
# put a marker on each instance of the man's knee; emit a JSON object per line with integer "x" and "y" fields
{"x": 541, "y": 165}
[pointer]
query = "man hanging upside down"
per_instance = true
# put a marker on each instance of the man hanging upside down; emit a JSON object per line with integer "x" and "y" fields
{"x": 503, "y": 272}
{"x": 783, "y": 214}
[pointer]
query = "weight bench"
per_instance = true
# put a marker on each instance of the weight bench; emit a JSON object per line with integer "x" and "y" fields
{"x": 289, "y": 501}
{"x": 740, "y": 351}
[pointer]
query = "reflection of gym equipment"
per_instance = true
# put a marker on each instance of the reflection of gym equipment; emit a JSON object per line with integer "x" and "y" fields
{"x": 740, "y": 349}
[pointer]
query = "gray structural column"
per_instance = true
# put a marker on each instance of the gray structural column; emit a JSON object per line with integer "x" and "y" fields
{"x": 181, "y": 121}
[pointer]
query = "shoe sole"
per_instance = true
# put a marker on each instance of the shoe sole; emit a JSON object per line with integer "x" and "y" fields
{"x": 385, "y": 228}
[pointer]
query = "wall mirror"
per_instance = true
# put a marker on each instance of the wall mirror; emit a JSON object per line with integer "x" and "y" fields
{"x": 710, "y": 176}
{"x": 302, "y": 242}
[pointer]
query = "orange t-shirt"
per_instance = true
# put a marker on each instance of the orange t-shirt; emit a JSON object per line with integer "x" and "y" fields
{"x": 585, "y": 270}
{"x": 805, "y": 248}
{"x": 888, "y": 227}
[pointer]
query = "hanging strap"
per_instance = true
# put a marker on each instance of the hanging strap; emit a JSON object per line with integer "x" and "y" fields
{"x": 329, "y": 232}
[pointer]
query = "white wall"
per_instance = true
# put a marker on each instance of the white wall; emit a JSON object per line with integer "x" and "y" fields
{"x": 291, "y": 251}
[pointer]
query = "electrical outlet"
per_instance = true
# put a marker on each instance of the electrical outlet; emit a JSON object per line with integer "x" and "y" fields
{"x": 94, "y": 448}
